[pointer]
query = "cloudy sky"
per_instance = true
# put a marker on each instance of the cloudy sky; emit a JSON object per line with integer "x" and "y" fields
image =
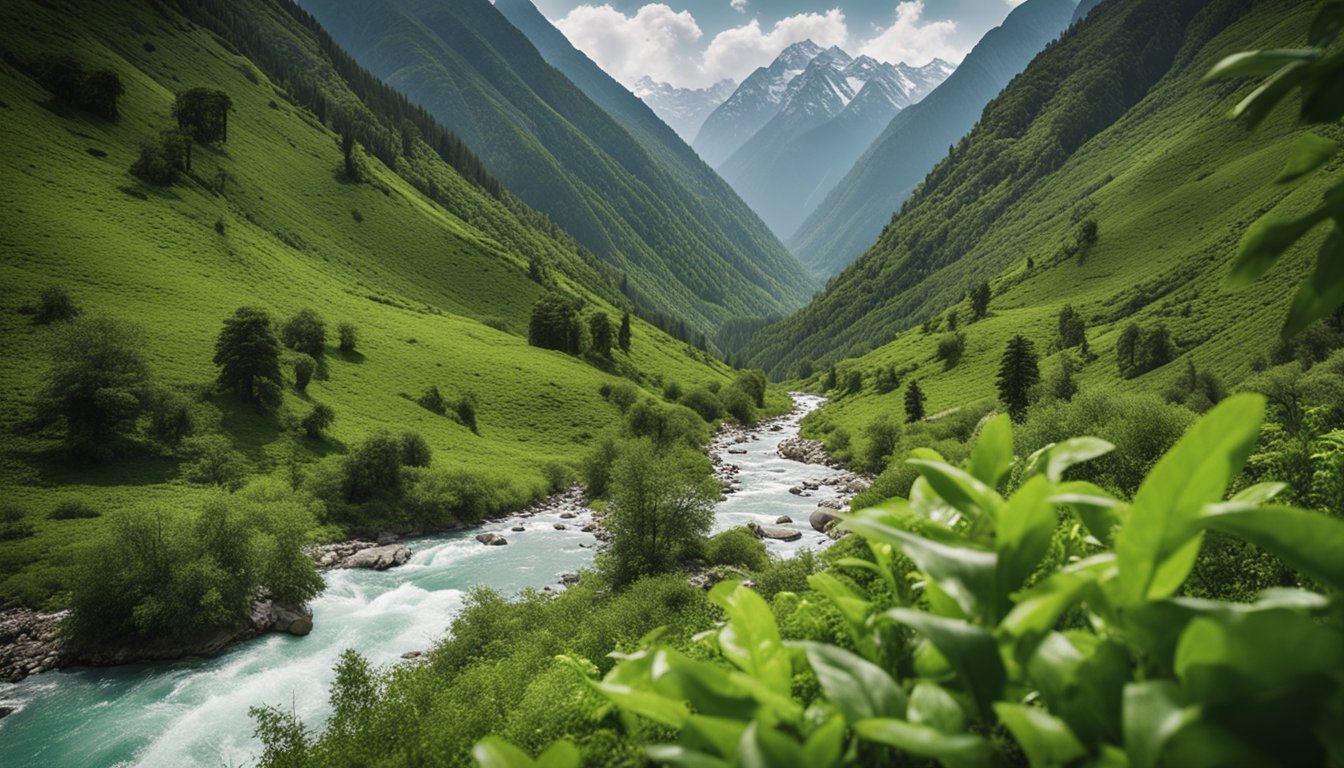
{"x": 695, "y": 43}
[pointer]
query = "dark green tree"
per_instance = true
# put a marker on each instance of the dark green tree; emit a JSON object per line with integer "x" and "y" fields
{"x": 54, "y": 305}
{"x": 1062, "y": 384}
{"x": 980, "y": 296}
{"x": 1072, "y": 328}
{"x": 303, "y": 372}
{"x": 317, "y": 420}
{"x": 203, "y": 113}
{"x": 348, "y": 335}
{"x": 248, "y": 355}
{"x": 554, "y": 323}
{"x": 600, "y": 334}
{"x": 305, "y": 332}
{"x": 98, "y": 384}
{"x": 1126, "y": 349}
{"x": 623, "y": 336}
{"x": 1019, "y": 371}
{"x": 914, "y": 402}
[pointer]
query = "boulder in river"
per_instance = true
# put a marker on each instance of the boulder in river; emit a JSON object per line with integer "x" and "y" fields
{"x": 821, "y": 520}
{"x": 778, "y": 534}
{"x": 559, "y": 526}
{"x": 518, "y": 529}
{"x": 491, "y": 539}
{"x": 783, "y": 520}
{"x": 379, "y": 558}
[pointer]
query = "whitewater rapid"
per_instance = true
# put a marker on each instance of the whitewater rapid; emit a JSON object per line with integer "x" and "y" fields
{"x": 194, "y": 712}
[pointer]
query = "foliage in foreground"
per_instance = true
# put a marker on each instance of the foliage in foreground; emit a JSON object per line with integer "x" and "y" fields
{"x": 1000, "y": 650}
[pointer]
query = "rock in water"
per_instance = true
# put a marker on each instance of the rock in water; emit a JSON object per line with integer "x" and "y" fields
{"x": 778, "y": 534}
{"x": 783, "y": 520}
{"x": 821, "y": 519}
{"x": 491, "y": 539}
{"x": 379, "y": 558}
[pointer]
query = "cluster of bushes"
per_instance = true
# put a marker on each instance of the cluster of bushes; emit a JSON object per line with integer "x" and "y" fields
{"x": 96, "y": 91}
{"x": 202, "y": 115}
{"x": 1140, "y": 350}
{"x": 463, "y": 408}
{"x": 167, "y": 577}
{"x": 556, "y": 322}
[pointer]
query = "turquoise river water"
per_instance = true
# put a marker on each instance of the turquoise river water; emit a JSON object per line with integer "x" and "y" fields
{"x": 194, "y": 712}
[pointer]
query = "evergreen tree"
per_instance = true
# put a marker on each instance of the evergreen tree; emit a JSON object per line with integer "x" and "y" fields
{"x": 623, "y": 338}
{"x": 248, "y": 354}
{"x": 1018, "y": 373}
{"x": 1062, "y": 384}
{"x": 1072, "y": 328}
{"x": 980, "y": 296}
{"x": 1126, "y": 348}
{"x": 554, "y": 324}
{"x": 599, "y": 330}
{"x": 914, "y": 402}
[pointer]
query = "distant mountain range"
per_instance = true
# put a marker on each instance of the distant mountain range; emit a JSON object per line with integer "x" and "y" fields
{"x": 683, "y": 109}
{"x": 827, "y": 116}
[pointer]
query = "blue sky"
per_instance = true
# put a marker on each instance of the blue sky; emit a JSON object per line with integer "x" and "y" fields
{"x": 694, "y": 43}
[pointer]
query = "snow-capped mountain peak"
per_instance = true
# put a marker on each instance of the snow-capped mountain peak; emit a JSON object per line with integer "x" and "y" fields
{"x": 683, "y": 109}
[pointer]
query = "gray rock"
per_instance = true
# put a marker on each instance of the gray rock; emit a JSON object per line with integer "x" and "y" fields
{"x": 821, "y": 520}
{"x": 300, "y": 627}
{"x": 559, "y": 526}
{"x": 518, "y": 529}
{"x": 379, "y": 558}
{"x": 491, "y": 539}
{"x": 783, "y": 520}
{"x": 778, "y": 534}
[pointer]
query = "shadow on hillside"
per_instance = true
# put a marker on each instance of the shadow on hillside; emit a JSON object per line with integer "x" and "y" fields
{"x": 134, "y": 465}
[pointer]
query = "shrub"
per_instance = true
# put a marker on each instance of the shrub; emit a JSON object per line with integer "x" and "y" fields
{"x": 738, "y": 404}
{"x": 439, "y": 498}
{"x": 348, "y": 335}
{"x": 303, "y": 372}
{"x": 212, "y": 460}
{"x": 162, "y": 158}
{"x": 737, "y": 547}
{"x": 554, "y": 324}
{"x": 754, "y": 384}
{"x": 96, "y": 92}
{"x": 1062, "y": 385}
{"x": 305, "y": 332}
{"x": 883, "y": 436}
{"x": 101, "y": 90}
{"x": 432, "y": 400}
{"x": 704, "y": 403}
{"x": 248, "y": 356}
{"x": 98, "y": 384}
{"x": 170, "y": 417}
{"x": 596, "y": 468}
{"x": 672, "y": 392}
{"x": 950, "y": 349}
{"x": 558, "y": 476}
{"x": 415, "y": 451}
{"x": 466, "y": 412}
{"x": 373, "y": 469}
{"x": 203, "y": 114}
{"x": 666, "y": 425}
{"x": 73, "y": 509}
{"x": 623, "y": 394}
{"x": 317, "y": 421}
{"x": 13, "y": 523}
{"x": 54, "y": 305}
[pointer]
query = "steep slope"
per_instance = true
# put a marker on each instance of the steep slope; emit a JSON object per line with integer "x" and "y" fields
{"x": 440, "y": 291}
{"x": 566, "y": 156}
{"x": 853, "y": 214}
{"x": 683, "y": 109}
{"x": 831, "y": 113}
{"x": 753, "y": 104}
{"x": 1112, "y": 125}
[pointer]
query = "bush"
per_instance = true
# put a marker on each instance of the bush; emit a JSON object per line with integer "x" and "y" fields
{"x": 738, "y": 404}
{"x": 672, "y": 392}
{"x": 432, "y": 400}
{"x": 73, "y": 509}
{"x": 414, "y": 450}
{"x": 754, "y": 384}
{"x": 97, "y": 386}
{"x": 303, "y": 372}
{"x": 666, "y": 425}
{"x": 348, "y": 335}
{"x": 162, "y": 158}
{"x": 466, "y": 412}
{"x": 622, "y": 394}
{"x": 950, "y": 349}
{"x": 54, "y": 305}
{"x": 737, "y": 547}
{"x": 440, "y": 498}
{"x": 96, "y": 92}
{"x": 373, "y": 469}
{"x": 203, "y": 114}
{"x": 212, "y": 460}
{"x": 305, "y": 332}
{"x": 317, "y": 421}
{"x": 554, "y": 324}
{"x": 883, "y": 435}
{"x": 558, "y": 476}
{"x": 170, "y": 417}
{"x": 13, "y": 524}
{"x": 704, "y": 403}
{"x": 248, "y": 356}
{"x": 596, "y": 468}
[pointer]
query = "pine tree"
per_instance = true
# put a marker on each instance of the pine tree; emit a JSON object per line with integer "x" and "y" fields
{"x": 980, "y": 296}
{"x": 599, "y": 331}
{"x": 248, "y": 354}
{"x": 914, "y": 402}
{"x": 1018, "y": 373}
{"x": 623, "y": 337}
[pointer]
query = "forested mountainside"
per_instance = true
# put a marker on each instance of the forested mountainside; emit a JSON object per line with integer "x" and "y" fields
{"x": 435, "y": 272}
{"x": 1109, "y": 136}
{"x": 852, "y": 215}
{"x": 701, "y": 258}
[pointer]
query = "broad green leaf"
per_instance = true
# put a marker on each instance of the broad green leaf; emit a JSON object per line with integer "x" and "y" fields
{"x": 1310, "y": 542}
{"x": 1101, "y": 513}
{"x": 1327, "y": 24}
{"x": 933, "y": 706}
{"x": 762, "y": 747}
{"x": 969, "y": 650}
{"x": 1323, "y": 91}
{"x": 824, "y": 747}
{"x": 1159, "y": 541}
{"x": 750, "y": 639}
{"x": 1038, "y": 610}
{"x": 1309, "y": 152}
{"x": 993, "y": 454}
{"x": 645, "y": 703}
{"x": 1261, "y": 101}
{"x": 1266, "y": 240}
{"x": 1025, "y": 527}
{"x": 1056, "y": 459}
{"x": 1260, "y": 493}
{"x": 710, "y": 688}
{"x": 672, "y": 754}
{"x": 1045, "y": 738}
{"x": 958, "y": 488}
{"x": 852, "y": 607}
{"x": 713, "y": 735}
{"x": 1081, "y": 678}
{"x": 1323, "y": 292}
{"x": 1229, "y": 657}
{"x": 561, "y": 754}
{"x": 856, "y": 686}
{"x": 494, "y": 752}
{"x": 954, "y": 750}
{"x": 1259, "y": 63}
{"x": 1154, "y": 712}
{"x": 967, "y": 575}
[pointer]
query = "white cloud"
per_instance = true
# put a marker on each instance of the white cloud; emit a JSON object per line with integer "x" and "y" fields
{"x": 667, "y": 45}
{"x": 912, "y": 39}
{"x": 739, "y": 5}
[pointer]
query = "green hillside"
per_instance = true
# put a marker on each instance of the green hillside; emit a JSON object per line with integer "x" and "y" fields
{"x": 1062, "y": 146}
{"x": 440, "y": 295}
{"x": 689, "y": 247}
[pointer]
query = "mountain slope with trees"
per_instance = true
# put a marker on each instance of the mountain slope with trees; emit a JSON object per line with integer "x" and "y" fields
{"x": 700, "y": 258}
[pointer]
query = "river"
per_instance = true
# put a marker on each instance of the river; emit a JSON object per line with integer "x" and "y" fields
{"x": 194, "y": 712}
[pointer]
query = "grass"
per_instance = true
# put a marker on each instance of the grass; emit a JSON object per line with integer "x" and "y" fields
{"x": 1173, "y": 185}
{"x": 420, "y": 283}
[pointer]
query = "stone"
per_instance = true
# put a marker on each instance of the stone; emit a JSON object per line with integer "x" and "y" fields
{"x": 559, "y": 526}
{"x": 783, "y": 520}
{"x": 569, "y": 578}
{"x": 412, "y": 654}
{"x": 821, "y": 520}
{"x": 300, "y": 627}
{"x": 796, "y": 491}
{"x": 491, "y": 539}
{"x": 6, "y": 711}
{"x": 567, "y": 515}
{"x": 379, "y": 558}
{"x": 518, "y": 529}
{"x": 738, "y": 451}
{"x": 778, "y": 534}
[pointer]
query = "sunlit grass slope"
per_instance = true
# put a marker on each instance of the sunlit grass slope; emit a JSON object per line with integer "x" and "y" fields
{"x": 1173, "y": 186}
{"x": 268, "y": 221}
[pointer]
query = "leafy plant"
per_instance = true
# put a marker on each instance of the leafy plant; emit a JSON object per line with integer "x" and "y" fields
{"x": 1047, "y": 624}
{"x": 1316, "y": 72}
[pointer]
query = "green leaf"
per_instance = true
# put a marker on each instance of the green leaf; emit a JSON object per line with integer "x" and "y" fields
{"x": 852, "y": 607}
{"x": 1229, "y": 657}
{"x": 1327, "y": 24}
{"x": 1159, "y": 542}
{"x": 1081, "y": 678}
{"x": 1045, "y": 738}
{"x": 1259, "y": 63}
{"x": 1055, "y": 459}
{"x": 1260, "y": 493}
{"x": 970, "y": 651}
{"x": 1309, "y": 152}
{"x": 962, "y": 750}
{"x": 494, "y": 752}
{"x": 1261, "y": 101}
{"x": 993, "y": 454}
{"x": 1101, "y": 513}
{"x": 1025, "y": 527}
{"x": 1309, "y": 542}
{"x": 856, "y": 686}
{"x": 965, "y": 493}
{"x": 1154, "y": 712}
{"x": 1323, "y": 292}
{"x": 750, "y": 639}
{"x": 713, "y": 735}
{"x": 672, "y": 754}
{"x": 967, "y": 575}
{"x": 1266, "y": 240}
{"x": 767, "y": 748}
{"x": 933, "y": 706}
{"x": 1037, "y": 612}
{"x": 824, "y": 746}
{"x": 561, "y": 754}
